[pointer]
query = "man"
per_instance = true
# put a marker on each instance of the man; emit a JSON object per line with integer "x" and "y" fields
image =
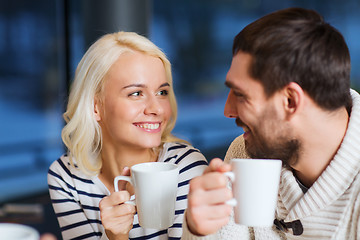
{"x": 290, "y": 91}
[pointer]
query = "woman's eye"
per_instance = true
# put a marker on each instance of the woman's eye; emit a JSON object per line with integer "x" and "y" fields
{"x": 135, "y": 94}
{"x": 163, "y": 93}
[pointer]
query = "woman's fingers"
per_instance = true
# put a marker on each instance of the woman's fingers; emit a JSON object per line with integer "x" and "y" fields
{"x": 122, "y": 183}
{"x": 116, "y": 216}
{"x": 114, "y": 199}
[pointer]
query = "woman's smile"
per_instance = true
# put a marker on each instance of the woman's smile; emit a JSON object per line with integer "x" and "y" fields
{"x": 152, "y": 127}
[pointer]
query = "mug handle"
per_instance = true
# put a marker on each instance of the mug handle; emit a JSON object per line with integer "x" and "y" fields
{"x": 116, "y": 185}
{"x": 232, "y": 202}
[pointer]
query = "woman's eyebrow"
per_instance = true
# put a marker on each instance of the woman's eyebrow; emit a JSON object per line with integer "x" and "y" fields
{"x": 135, "y": 85}
{"x": 164, "y": 85}
{"x": 139, "y": 85}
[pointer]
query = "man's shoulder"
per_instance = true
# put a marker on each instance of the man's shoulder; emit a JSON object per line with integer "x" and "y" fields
{"x": 236, "y": 149}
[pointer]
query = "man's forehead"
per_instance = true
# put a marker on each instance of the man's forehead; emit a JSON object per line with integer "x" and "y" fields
{"x": 238, "y": 73}
{"x": 244, "y": 83}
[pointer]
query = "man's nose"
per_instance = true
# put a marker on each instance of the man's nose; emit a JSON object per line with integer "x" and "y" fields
{"x": 230, "y": 109}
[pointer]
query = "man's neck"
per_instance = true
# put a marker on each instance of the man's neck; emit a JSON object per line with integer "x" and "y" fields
{"x": 321, "y": 135}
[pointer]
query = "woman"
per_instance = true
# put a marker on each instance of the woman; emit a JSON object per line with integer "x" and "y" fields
{"x": 121, "y": 112}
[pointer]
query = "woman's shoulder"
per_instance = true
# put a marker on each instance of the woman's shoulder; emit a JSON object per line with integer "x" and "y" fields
{"x": 177, "y": 145}
{"x": 64, "y": 177}
{"x": 61, "y": 164}
{"x": 64, "y": 168}
{"x": 178, "y": 148}
{"x": 181, "y": 153}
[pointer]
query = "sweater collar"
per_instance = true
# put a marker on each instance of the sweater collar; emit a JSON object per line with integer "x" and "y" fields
{"x": 335, "y": 179}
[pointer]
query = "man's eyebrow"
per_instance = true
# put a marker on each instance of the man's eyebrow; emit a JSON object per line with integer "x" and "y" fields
{"x": 234, "y": 87}
{"x": 229, "y": 84}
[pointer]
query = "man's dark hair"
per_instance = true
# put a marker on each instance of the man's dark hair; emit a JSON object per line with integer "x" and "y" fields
{"x": 296, "y": 45}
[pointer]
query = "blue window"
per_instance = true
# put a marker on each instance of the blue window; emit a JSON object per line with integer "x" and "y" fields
{"x": 43, "y": 40}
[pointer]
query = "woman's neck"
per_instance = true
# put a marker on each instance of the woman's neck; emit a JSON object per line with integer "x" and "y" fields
{"x": 115, "y": 160}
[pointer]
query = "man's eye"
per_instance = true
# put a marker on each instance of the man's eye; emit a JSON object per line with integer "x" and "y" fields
{"x": 237, "y": 94}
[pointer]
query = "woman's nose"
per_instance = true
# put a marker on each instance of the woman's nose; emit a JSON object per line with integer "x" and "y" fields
{"x": 153, "y": 106}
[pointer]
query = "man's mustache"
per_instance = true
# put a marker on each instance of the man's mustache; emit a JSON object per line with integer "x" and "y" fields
{"x": 239, "y": 123}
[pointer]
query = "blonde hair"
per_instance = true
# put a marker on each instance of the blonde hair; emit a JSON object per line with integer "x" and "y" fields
{"x": 82, "y": 133}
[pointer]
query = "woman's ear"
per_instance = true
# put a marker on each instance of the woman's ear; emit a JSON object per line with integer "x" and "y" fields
{"x": 97, "y": 109}
{"x": 293, "y": 99}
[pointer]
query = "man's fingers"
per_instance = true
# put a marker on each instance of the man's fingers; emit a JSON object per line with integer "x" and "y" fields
{"x": 217, "y": 165}
{"x": 209, "y": 181}
{"x": 207, "y": 211}
{"x": 213, "y": 197}
{"x": 207, "y": 219}
{"x": 214, "y": 165}
{"x": 213, "y": 224}
{"x": 211, "y": 212}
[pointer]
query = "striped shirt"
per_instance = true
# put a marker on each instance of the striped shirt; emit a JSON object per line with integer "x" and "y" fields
{"x": 75, "y": 196}
{"x": 330, "y": 208}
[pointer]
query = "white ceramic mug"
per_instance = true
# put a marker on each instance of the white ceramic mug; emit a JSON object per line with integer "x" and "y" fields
{"x": 255, "y": 185}
{"x": 155, "y": 186}
{"x": 14, "y": 231}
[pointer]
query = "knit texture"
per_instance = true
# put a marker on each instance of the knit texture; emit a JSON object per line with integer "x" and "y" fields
{"x": 330, "y": 209}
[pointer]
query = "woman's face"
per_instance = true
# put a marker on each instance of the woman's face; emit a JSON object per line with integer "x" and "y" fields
{"x": 134, "y": 108}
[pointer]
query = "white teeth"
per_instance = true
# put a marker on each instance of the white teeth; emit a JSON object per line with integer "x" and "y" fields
{"x": 149, "y": 126}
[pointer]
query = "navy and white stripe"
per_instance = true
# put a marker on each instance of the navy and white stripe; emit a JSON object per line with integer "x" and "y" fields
{"x": 76, "y": 196}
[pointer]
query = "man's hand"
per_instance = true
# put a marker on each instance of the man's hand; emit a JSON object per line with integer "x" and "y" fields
{"x": 207, "y": 211}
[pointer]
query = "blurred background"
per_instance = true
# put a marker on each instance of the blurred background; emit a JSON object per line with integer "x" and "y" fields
{"x": 42, "y": 41}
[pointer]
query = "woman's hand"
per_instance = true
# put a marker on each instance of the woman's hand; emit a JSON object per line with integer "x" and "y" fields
{"x": 207, "y": 211}
{"x": 116, "y": 216}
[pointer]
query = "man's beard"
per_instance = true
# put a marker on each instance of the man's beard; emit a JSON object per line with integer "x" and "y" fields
{"x": 285, "y": 150}
{"x": 277, "y": 143}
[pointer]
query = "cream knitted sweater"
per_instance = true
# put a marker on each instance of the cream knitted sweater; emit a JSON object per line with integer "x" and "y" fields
{"x": 330, "y": 209}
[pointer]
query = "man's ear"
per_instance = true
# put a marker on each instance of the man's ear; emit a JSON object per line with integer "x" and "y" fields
{"x": 97, "y": 103}
{"x": 293, "y": 99}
